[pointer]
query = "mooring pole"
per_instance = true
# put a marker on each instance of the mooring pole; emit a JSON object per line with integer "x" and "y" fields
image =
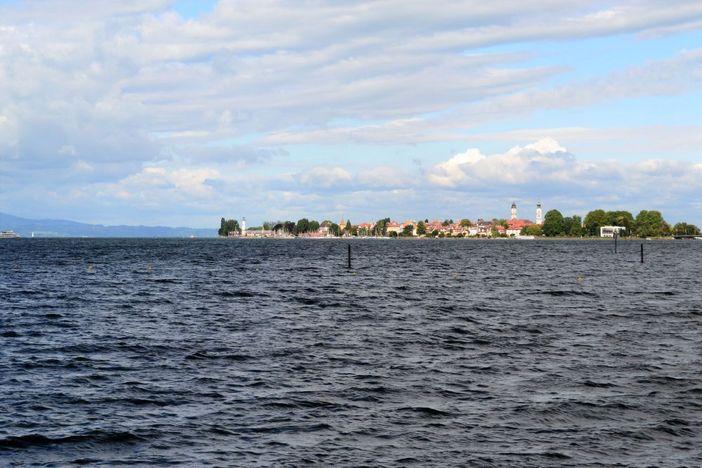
{"x": 615, "y": 242}
{"x": 641, "y": 253}
{"x": 350, "y": 255}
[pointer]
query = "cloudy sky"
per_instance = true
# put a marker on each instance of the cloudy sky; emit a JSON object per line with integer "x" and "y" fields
{"x": 180, "y": 112}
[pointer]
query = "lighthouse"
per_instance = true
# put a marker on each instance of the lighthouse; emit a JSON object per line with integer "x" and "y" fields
{"x": 514, "y": 210}
{"x": 539, "y": 217}
{"x": 243, "y": 226}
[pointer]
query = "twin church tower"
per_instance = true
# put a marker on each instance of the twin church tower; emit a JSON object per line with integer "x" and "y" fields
{"x": 539, "y": 214}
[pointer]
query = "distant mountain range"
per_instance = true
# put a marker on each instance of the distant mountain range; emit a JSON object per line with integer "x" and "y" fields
{"x": 63, "y": 228}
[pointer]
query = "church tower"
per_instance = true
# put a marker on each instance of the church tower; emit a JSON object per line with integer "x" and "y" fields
{"x": 539, "y": 217}
{"x": 514, "y": 210}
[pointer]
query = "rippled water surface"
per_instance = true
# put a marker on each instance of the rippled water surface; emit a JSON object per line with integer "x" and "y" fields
{"x": 425, "y": 353}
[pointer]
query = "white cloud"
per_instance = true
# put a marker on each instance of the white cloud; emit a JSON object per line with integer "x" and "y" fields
{"x": 546, "y": 169}
{"x": 325, "y": 177}
{"x": 101, "y": 100}
{"x": 544, "y": 159}
{"x": 387, "y": 177}
{"x": 160, "y": 184}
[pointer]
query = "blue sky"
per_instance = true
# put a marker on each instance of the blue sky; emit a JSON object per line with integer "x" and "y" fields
{"x": 180, "y": 112}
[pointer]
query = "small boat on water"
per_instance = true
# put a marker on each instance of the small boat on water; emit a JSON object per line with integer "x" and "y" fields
{"x": 8, "y": 235}
{"x": 698, "y": 238}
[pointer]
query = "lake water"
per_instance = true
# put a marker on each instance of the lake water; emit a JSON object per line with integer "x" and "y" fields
{"x": 425, "y": 353}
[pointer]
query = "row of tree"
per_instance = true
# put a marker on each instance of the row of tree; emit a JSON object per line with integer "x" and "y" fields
{"x": 228, "y": 225}
{"x": 648, "y": 223}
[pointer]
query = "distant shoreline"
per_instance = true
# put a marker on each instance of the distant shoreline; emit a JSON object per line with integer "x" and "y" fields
{"x": 358, "y": 238}
{"x": 593, "y": 239}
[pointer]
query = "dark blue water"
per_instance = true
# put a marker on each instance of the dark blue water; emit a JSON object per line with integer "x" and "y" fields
{"x": 426, "y": 353}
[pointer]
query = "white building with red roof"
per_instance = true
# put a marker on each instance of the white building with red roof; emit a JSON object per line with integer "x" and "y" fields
{"x": 393, "y": 226}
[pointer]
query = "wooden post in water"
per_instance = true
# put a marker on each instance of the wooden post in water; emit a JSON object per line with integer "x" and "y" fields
{"x": 349, "y": 256}
{"x": 615, "y": 241}
{"x": 641, "y": 253}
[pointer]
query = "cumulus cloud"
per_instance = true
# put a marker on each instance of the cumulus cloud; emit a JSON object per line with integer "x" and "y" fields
{"x": 156, "y": 184}
{"x": 543, "y": 160}
{"x": 385, "y": 177}
{"x": 546, "y": 169}
{"x": 325, "y": 177}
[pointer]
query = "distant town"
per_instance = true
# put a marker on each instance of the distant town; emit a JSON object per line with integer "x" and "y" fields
{"x": 597, "y": 223}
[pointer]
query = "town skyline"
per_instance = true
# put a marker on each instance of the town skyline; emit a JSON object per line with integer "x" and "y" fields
{"x": 552, "y": 223}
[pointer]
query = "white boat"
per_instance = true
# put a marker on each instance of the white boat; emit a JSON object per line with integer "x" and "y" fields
{"x": 8, "y": 235}
{"x": 698, "y": 238}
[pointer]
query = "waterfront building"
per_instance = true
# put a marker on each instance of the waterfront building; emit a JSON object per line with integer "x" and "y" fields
{"x": 610, "y": 231}
{"x": 393, "y": 226}
{"x": 515, "y": 226}
{"x": 365, "y": 229}
{"x": 409, "y": 222}
{"x": 539, "y": 215}
{"x": 483, "y": 228}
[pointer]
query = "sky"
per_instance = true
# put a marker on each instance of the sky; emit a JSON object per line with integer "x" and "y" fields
{"x": 178, "y": 113}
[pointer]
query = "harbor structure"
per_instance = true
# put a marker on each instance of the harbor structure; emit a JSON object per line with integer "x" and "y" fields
{"x": 539, "y": 214}
{"x": 514, "y": 210}
{"x": 611, "y": 231}
{"x": 8, "y": 235}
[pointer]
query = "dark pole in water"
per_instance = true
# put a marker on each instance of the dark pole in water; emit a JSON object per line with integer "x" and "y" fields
{"x": 615, "y": 241}
{"x": 350, "y": 255}
{"x": 641, "y": 253}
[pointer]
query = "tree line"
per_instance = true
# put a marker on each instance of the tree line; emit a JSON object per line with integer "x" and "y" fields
{"x": 648, "y": 223}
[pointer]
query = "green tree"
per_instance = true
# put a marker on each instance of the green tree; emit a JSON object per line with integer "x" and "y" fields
{"x": 348, "y": 227}
{"x": 334, "y": 229}
{"x": 651, "y": 224}
{"x": 435, "y": 233}
{"x": 313, "y": 226}
{"x": 407, "y": 231}
{"x": 447, "y": 222}
{"x": 567, "y": 225}
{"x": 531, "y": 230}
{"x": 576, "y": 227}
{"x": 227, "y": 226}
{"x": 594, "y": 220}
{"x": 621, "y": 218}
{"x": 465, "y": 222}
{"x": 501, "y": 222}
{"x": 684, "y": 229}
{"x": 381, "y": 227}
{"x": 421, "y": 228}
{"x": 302, "y": 226}
{"x": 572, "y": 226}
{"x": 553, "y": 224}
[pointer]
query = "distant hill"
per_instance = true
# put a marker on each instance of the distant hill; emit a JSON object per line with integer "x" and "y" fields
{"x": 63, "y": 228}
